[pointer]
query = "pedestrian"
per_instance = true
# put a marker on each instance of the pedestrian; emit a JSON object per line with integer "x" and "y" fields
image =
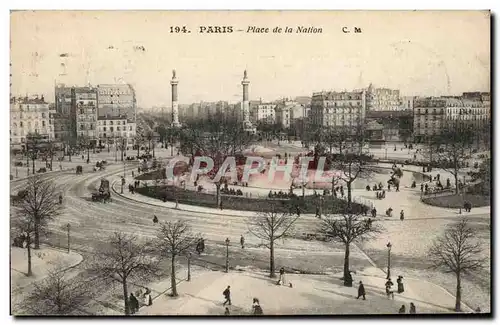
{"x": 422, "y": 187}
{"x": 402, "y": 310}
{"x": 242, "y": 242}
{"x": 402, "y": 215}
{"x": 374, "y": 212}
{"x": 226, "y": 312}
{"x": 256, "y": 308}
{"x": 388, "y": 288}
{"x": 220, "y": 205}
{"x": 413, "y": 310}
{"x": 132, "y": 174}
{"x": 361, "y": 291}
{"x": 282, "y": 276}
{"x": 227, "y": 296}
{"x": 133, "y": 304}
{"x": 401, "y": 287}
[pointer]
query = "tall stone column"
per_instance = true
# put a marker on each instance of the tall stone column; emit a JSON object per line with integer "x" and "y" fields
{"x": 245, "y": 105}
{"x": 175, "y": 104}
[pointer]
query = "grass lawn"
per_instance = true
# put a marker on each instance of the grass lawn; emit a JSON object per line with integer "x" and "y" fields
{"x": 457, "y": 201}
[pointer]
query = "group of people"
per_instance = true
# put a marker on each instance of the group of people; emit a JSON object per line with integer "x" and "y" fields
{"x": 256, "y": 308}
{"x": 231, "y": 191}
{"x": 380, "y": 194}
{"x": 133, "y": 301}
{"x": 389, "y": 292}
{"x": 280, "y": 195}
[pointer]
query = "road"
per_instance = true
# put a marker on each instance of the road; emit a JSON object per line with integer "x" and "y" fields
{"x": 91, "y": 222}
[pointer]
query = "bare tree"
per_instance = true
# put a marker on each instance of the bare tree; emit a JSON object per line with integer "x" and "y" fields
{"x": 139, "y": 141}
{"x": 33, "y": 141}
{"x": 449, "y": 149}
{"x": 174, "y": 239}
{"x": 23, "y": 231}
{"x": 40, "y": 202}
{"x": 123, "y": 258}
{"x": 336, "y": 137}
{"x": 457, "y": 251}
{"x": 85, "y": 143}
{"x": 58, "y": 294}
{"x": 217, "y": 138}
{"x": 150, "y": 137}
{"x": 271, "y": 226}
{"x": 346, "y": 229}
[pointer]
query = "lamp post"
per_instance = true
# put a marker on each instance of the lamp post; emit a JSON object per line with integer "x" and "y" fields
{"x": 227, "y": 255}
{"x": 68, "y": 226}
{"x": 389, "y": 245}
{"x": 189, "y": 266}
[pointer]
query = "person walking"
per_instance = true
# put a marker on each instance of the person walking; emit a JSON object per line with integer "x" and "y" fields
{"x": 401, "y": 287}
{"x": 402, "y": 215}
{"x": 227, "y": 296}
{"x": 402, "y": 310}
{"x": 413, "y": 309}
{"x": 282, "y": 276}
{"x": 361, "y": 291}
{"x": 242, "y": 242}
{"x": 256, "y": 309}
{"x": 226, "y": 312}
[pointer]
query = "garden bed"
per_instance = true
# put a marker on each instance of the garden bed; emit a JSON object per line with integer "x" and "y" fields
{"x": 457, "y": 201}
{"x": 307, "y": 204}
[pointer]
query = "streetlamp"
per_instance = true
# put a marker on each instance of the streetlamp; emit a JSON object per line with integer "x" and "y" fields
{"x": 189, "y": 266}
{"x": 227, "y": 255}
{"x": 68, "y": 226}
{"x": 389, "y": 245}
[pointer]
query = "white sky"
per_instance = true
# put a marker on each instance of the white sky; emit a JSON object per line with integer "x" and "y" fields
{"x": 420, "y": 53}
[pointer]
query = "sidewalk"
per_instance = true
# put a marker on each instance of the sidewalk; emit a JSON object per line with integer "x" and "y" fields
{"x": 42, "y": 261}
{"x": 310, "y": 294}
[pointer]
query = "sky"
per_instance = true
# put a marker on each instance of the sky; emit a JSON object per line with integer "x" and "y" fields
{"x": 424, "y": 53}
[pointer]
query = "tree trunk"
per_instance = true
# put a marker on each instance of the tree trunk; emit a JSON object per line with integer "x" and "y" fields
{"x": 138, "y": 148}
{"x": 272, "y": 273}
{"x": 456, "y": 183}
{"x": 458, "y": 294}
{"x": 125, "y": 297}
{"x": 69, "y": 154}
{"x": 37, "y": 233}
{"x": 346, "y": 265}
{"x": 88, "y": 154}
{"x": 172, "y": 278}
{"x": 108, "y": 147}
{"x": 153, "y": 150}
{"x": 349, "y": 195}
{"x": 217, "y": 186}
{"x": 51, "y": 160}
{"x": 33, "y": 159}
{"x": 28, "y": 247}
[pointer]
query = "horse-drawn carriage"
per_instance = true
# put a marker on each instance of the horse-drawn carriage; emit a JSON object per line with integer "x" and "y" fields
{"x": 103, "y": 194}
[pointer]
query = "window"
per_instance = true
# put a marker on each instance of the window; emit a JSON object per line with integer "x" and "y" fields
{"x": 104, "y": 129}
{"x": 111, "y": 129}
{"x": 43, "y": 123}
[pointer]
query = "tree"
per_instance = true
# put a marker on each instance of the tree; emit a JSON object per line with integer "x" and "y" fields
{"x": 346, "y": 229}
{"x": 337, "y": 137}
{"x": 23, "y": 226}
{"x": 352, "y": 166}
{"x": 40, "y": 202}
{"x": 483, "y": 175}
{"x": 85, "y": 143}
{"x": 150, "y": 136}
{"x": 139, "y": 141}
{"x": 174, "y": 239}
{"x": 271, "y": 226}
{"x": 122, "y": 258}
{"x": 57, "y": 294}
{"x": 33, "y": 141}
{"x": 457, "y": 251}
{"x": 217, "y": 138}
{"x": 450, "y": 147}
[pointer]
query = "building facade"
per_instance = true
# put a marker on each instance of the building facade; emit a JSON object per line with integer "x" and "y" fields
{"x": 85, "y": 112}
{"x": 116, "y": 100}
{"x": 382, "y": 99}
{"x": 264, "y": 113}
{"x": 428, "y": 117}
{"x": 469, "y": 110}
{"x": 338, "y": 109}
{"x": 115, "y": 129}
{"x": 30, "y": 116}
